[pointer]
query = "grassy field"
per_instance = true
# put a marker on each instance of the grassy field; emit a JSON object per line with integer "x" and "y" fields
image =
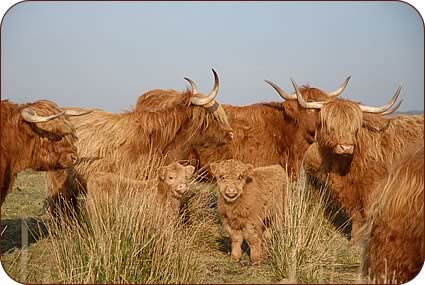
{"x": 306, "y": 250}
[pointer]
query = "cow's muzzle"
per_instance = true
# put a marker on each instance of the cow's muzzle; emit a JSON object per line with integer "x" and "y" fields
{"x": 344, "y": 149}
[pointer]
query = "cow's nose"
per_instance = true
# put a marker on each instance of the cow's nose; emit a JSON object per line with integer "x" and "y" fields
{"x": 344, "y": 149}
{"x": 231, "y": 135}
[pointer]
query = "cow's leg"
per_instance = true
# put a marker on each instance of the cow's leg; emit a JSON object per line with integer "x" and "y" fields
{"x": 62, "y": 192}
{"x": 236, "y": 239}
{"x": 357, "y": 222}
{"x": 253, "y": 237}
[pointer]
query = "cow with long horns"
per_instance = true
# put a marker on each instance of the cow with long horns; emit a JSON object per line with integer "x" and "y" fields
{"x": 170, "y": 123}
{"x": 35, "y": 135}
{"x": 356, "y": 144}
{"x": 267, "y": 133}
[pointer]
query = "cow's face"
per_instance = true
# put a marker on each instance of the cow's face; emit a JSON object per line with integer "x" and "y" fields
{"x": 56, "y": 154}
{"x": 307, "y": 120}
{"x": 231, "y": 176}
{"x": 177, "y": 177}
{"x": 216, "y": 130}
{"x": 340, "y": 120}
{"x": 53, "y": 140}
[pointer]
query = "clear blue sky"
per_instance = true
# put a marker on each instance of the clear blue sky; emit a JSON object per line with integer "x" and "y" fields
{"x": 106, "y": 54}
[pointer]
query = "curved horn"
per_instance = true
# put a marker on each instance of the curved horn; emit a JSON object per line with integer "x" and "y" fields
{"x": 377, "y": 110}
{"x": 303, "y": 103}
{"x": 282, "y": 93}
{"x": 72, "y": 113}
{"x": 194, "y": 87}
{"x": 29, "y": 115}
{"x": 393, "y": 109}
{"x": 205, "y": 100}
{"x": 340, "y": 89}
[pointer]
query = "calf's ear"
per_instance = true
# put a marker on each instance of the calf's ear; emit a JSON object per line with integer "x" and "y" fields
{"x": 189, "y": 170}
{"x": 248, "y": 170}
{"x": 161, "y": 173}
{"x": 214, "y": 168}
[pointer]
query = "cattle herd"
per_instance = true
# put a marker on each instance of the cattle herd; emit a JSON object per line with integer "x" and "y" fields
{"x": 370, "y": 160}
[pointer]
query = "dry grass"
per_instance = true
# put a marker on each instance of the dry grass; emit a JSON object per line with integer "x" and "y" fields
{"x": 127, "y": 238}
{"x": 305, "y": 247}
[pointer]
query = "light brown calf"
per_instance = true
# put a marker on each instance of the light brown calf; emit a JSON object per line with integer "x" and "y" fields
{"x": 246, "y": 198}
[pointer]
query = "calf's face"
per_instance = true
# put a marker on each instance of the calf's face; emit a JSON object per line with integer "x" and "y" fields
{"x": 177, "y": 177}
{"x": 231, "y": 176}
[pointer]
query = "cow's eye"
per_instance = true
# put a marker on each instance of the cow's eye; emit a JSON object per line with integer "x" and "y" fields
{"x": 170, "y": 177}
{"x": 221, "y": 176}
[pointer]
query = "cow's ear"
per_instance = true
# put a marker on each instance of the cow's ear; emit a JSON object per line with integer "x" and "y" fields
{"x": 214, "y": 169}
{"x": 189, "y": 170}
{"x": 161, "y": 173}
{"x": 375, "y": 123}
{"x": 291, "y": 109}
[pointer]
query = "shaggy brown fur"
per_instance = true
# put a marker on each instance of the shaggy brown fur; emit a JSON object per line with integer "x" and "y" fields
{"x": 245, "y": 200}
{"x": 268, "y": 133}
{"x": 378, "y": 143}
{"x": 40, "y": 146}
{"x": 166, "y": 124}
{"x": 394, "y": 245}
{"x": 172, "y": 182}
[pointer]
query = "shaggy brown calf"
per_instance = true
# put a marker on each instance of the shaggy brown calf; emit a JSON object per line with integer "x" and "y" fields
{"x": 34, "y": 135}
{"x": 270, "y": 133}
{"x": 355, "y": 148}
{"x": 170, "y": 124}
{"x": 172, "y": 182}
{"x": 246, "y": 198}
{"x": 394, "y": 235}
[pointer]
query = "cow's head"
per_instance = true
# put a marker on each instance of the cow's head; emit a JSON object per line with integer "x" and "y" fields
{"x": 49, "y": 134}
{"x": 177, "y": 177}
{"x": 232, "y": 176}
{"x": 306, "y": 119}
{"x": 215, "y": 129}
{"x": 340, "y": 121}
{"x": 181, "y": 121}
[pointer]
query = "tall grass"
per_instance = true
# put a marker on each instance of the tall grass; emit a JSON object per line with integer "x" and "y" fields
{"x": 304, "y": 246}
{"x": 126, "y": 237}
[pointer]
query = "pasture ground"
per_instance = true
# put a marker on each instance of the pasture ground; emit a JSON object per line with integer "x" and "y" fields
{"x": 30, "y": 260}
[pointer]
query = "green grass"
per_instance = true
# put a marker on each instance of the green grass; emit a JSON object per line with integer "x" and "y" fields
{"x": 53, "y": 257}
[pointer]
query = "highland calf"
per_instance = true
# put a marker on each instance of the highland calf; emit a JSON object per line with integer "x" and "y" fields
{"x": 394, "y": 234}
{"x": 34, "y": 135}
{"x": 171, "y": 183}
{"x": 356, "y": 144}
{"x": 246, "y": 200}
{"x": 169, "y": 124}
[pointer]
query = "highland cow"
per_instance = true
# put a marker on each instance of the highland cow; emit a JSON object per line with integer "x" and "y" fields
{"x": 268, "y": 133}
{"x": 394, "y": 233}
{"x": 246, "y": 199}
{"x": 355, "y": 145}
{"x": 171, "y": 183}
{"x": 35, "y": 135}
{"x": 170, "y": 124}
